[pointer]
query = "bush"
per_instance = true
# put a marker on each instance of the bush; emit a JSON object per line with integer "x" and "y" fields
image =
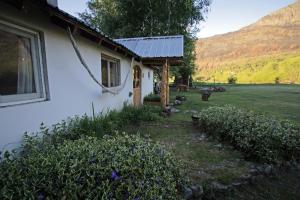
{"x": 120, "y": 167}
{"x": 99, "y": 125}
{"x": 232, "y": 79}
{"x": 259, "y": 137}
{"x": 152, "y": 98}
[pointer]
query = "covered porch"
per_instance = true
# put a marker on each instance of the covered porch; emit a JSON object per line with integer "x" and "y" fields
{"x": 160, "y": 52}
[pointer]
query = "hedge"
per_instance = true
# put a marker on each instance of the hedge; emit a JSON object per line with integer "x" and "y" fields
{"x": 260, "y": 137}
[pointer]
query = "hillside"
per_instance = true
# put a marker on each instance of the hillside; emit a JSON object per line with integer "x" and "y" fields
{"x": 259, "y": 53}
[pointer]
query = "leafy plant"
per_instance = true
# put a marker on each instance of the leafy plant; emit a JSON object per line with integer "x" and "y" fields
{"x": 116, "y": 167}
{"x": 232, "y": 79}
{"x": 259, "y": 137}
{"x": 98, "y": 125}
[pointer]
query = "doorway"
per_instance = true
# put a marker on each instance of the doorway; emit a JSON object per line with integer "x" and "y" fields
{"x": 136, "y": 86}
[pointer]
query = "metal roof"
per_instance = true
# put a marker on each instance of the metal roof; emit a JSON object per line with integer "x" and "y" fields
{"x": 155, "y": 47}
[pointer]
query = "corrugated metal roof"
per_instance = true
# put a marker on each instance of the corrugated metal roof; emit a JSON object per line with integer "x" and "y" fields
{"x": 155, "y": 47}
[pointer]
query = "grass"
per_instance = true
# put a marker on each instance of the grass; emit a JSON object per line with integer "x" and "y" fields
{"x": 280, "y": 101}
{"x": 203, "y": 160}
{"x": 265, "y": 69}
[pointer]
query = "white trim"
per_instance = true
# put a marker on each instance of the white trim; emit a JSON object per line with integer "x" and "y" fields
{"x": 22, "y": 102}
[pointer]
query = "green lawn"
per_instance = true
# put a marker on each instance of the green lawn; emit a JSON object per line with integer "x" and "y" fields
{"x": 202, "y": 157}
{"x": 280, "y": 101}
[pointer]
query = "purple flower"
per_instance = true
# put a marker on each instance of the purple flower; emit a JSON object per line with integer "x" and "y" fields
{"x": 114, "y": 176}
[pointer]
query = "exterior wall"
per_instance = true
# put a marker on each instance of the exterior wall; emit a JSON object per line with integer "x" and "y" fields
{"x": 147, "y": 82}
{"x": 71, "y": 90}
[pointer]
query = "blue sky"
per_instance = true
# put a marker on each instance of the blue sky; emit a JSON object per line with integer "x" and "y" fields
{"x": 225, "y": 15}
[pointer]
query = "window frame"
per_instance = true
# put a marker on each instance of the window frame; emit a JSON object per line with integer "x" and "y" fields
{"x": 109, "y": 60}
{"x": 38, "y": 66}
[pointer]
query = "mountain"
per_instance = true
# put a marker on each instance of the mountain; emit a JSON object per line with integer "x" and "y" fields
{"x": 259, "y": 53}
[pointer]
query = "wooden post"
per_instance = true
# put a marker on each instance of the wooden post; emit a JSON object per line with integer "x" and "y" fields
{"x": 163, "y": 92}
{"x": 167, "y": 90}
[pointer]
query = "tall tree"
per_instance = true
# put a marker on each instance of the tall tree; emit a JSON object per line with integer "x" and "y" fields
{"x": 141, "y": 18}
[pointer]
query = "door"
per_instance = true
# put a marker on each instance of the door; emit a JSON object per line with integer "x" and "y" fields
{"x": 136, "y": 86}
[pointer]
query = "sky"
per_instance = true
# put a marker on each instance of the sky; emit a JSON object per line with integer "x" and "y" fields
{"x": 224, "y": 16}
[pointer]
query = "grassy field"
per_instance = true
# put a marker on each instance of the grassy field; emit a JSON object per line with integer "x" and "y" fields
{"x": 285, "y": 67}
{"x": 280, "y": 101}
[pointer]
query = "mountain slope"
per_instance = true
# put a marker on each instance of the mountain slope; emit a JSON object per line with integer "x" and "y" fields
{"x": 262, "y": 52}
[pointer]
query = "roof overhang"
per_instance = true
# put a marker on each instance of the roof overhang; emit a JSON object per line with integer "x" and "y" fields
{"x": 78, "y": 27}
{"x": 173, "y": 61}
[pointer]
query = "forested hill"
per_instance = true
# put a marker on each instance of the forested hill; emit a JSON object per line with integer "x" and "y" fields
{"x": 259, "y": 53}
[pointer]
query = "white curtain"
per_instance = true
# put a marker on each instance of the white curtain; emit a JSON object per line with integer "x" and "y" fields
{"x": 25, "y": 69}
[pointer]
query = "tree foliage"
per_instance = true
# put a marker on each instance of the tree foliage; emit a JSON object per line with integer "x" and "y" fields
{"x": 141, "y": 18}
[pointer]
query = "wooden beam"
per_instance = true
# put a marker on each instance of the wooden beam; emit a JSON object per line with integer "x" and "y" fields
{"x": 167, "y": 89}
{"x": 163, "y": 93}
{"x": 100, "y": 41}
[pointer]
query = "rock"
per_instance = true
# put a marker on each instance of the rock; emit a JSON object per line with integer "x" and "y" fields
{"x": 177, "y": 102}
{"x": 171, "y": 104}
{"x": 236, "y": 184}
{"x": 219, "y": 146}
{"x": 219, "y": 187}
{"x": 268, "y": 170}
{"x": 187, "y": 193}
{"x": 260, "y": 169}
{"x": 245, "y": 177}
{"x": 197, "y": 191}
{"x": 253, "y": 171}
{"x": 256, "y": 178}
{"x": 174, "y": 110}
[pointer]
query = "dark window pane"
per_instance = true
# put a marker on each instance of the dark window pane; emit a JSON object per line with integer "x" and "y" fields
{"x": 104, "y": 73}
{"x": 16, "y": 66}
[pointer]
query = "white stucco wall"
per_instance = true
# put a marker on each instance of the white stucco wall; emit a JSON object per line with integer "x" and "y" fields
{"x": 147, "y": 82}
{"x": 71, "y": 89}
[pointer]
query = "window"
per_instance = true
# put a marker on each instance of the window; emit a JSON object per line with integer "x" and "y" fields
{"x": 110, "y": 69}
{"x": 20, "y": 65}
{"x": 149, "y": 74}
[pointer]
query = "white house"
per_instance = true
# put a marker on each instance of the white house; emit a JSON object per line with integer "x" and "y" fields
{"x": 43, "y": 80}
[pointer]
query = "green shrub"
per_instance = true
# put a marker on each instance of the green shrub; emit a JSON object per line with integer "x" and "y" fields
{"x": 120, "y": 167}
{"x": 232, "y": 79}
{"x": 259, "y": 137}
{"x": 99, "y": 125}
{"x": 152, "y": 98}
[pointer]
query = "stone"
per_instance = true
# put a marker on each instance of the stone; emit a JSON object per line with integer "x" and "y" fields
{"x": 256, "y": 178}
{"x": 174, "y": 110}
{"x": 245, "y": 177}
{"x": 177, "y": 102}
{"x": 260, "y": 169}
{"x": 187, "y": 193}
{"x": 219, "y": 187}
{"x": 197, "y": 191}
{"x": 219, "y": 146}
{"x": 237, "y": 184}
{"x": 253, "y": 171}
{"x": 268, "y": 170}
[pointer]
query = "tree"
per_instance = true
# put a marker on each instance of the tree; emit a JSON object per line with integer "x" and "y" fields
{"x": 141, "y": 18}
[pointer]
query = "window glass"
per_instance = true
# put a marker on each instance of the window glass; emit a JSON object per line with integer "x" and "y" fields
{"x": 111, "y": 74}
{"x": 104, "y": 72}
{"x": 21, "y": 74}
{"x": 16, "y": 66}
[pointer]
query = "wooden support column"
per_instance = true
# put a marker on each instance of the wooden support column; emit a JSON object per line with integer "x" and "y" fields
{"x": 163, "y": 92}
{"x": 167, "y": 90}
